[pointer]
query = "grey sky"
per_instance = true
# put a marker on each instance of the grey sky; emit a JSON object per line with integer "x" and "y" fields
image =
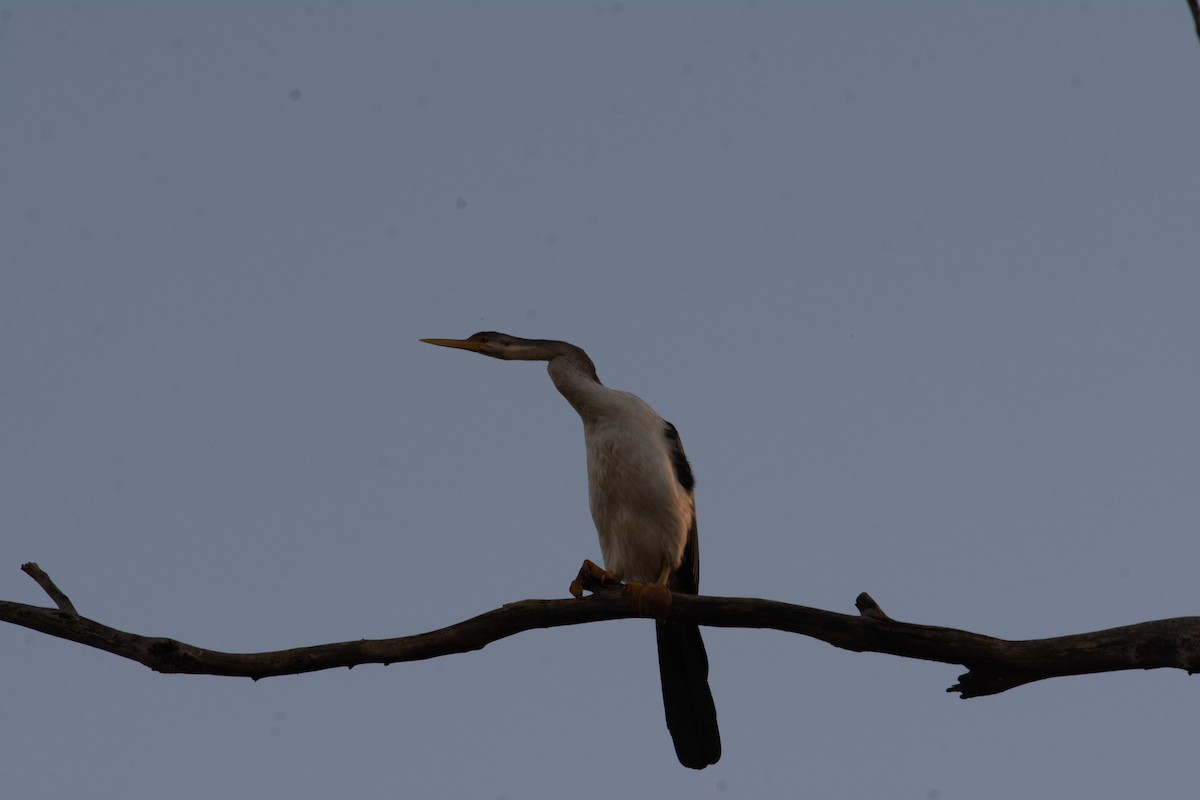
{"x": 916, "y": 282}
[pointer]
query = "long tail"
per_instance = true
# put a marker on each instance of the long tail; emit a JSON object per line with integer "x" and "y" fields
{"x": 691, "y": 714}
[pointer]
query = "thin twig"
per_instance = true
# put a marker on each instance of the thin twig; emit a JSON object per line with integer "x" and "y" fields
{"x": 43, "y": 580}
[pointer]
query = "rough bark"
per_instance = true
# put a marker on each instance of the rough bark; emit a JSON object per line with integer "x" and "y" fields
{"x": 993, "y": 665}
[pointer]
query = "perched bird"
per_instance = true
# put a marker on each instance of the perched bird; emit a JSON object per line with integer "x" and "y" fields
{"x": 640, "y": 489}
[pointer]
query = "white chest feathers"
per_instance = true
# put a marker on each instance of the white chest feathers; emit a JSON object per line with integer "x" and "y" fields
{"x": 641, "y": 511}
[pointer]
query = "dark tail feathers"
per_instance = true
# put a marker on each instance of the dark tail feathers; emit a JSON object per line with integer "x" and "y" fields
{"x": 691, "y": 714}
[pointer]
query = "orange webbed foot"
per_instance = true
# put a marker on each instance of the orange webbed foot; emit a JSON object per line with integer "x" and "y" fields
{"x": 591, "y": 578}
{"x": 649, "y": 600}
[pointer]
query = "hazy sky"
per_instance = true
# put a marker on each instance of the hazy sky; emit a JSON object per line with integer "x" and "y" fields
{"x": 917, "y": 282}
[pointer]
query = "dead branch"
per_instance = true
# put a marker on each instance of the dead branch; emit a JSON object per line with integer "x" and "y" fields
{"x": 49, "y": 587}
{"x": 993, "y": 665}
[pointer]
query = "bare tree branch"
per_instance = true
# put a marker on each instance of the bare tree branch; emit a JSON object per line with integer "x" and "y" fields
{"x": 1194, "y": 5}
{"x": 994, "y": 665}
{"x": 49, "y": 587}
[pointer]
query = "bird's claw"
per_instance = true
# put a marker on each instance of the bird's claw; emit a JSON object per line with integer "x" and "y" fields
{"x": 592, "y": 578}
{"x": 649, "y": 600}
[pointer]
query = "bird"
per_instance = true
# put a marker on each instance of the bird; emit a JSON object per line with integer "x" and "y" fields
{"x": 642, "y": 497}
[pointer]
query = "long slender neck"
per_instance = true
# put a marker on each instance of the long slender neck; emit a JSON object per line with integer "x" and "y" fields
{"x": 574, "y": 376}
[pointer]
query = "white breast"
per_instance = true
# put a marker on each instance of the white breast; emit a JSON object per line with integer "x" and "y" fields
{"x": 641, "y": 512}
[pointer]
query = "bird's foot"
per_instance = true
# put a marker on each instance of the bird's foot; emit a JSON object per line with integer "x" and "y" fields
{"x": 649, "y": 600}
{"x": 592, "y": 578}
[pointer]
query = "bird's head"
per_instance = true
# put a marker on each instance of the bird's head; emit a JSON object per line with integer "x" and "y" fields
{"x": 563, "y": 357}
{"x": 498, "y": 345}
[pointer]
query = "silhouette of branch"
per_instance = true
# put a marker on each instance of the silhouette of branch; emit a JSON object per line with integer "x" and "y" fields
{"x": 1194, "y": 5}
{"x": 49, "y": 587}
{"x": 994, "y": 665}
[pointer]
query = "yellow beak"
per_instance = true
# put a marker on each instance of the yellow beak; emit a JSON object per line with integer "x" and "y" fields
{"x": 460, "y": 344}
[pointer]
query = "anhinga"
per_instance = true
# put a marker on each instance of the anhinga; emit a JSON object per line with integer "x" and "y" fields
{"x": 640, "y": 489}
